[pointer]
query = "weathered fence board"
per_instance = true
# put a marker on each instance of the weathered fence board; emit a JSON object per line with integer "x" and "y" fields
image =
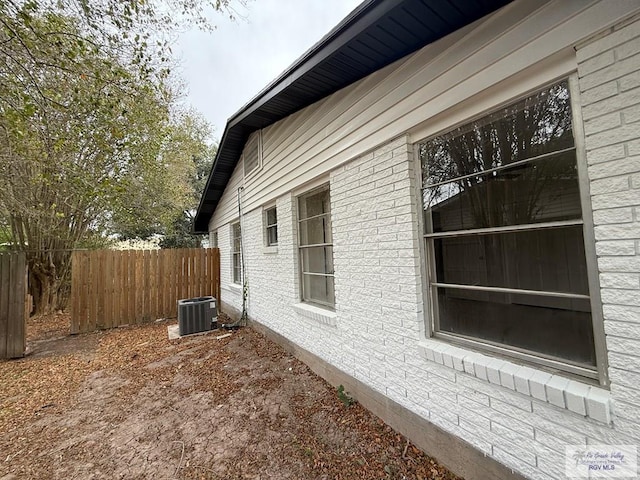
{"x": 113, "y": 288}
{"x": 13, "y": 304}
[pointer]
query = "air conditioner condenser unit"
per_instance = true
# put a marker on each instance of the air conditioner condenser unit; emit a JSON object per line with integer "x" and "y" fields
{"x": 197, "y": 315}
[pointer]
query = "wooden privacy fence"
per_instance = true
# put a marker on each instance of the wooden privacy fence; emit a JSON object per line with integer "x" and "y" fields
{"x": 13, "y": 299}
{"x": 110, "y": 288}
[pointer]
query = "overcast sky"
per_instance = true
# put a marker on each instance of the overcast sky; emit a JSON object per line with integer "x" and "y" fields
{"x": 224, "y": 69}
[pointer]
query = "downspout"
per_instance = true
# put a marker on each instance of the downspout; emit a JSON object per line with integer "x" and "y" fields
{"x": 242, "y": 321}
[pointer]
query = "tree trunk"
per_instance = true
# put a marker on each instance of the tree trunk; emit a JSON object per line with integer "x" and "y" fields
{"x": 43, "y": 291}
{"x": 48, "y": 290}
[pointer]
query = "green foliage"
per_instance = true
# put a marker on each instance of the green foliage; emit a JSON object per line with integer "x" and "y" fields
{"x": 94, "y": 241}
{"x": 180, "y": 235}
{"x": 186, "y": 159}
{"x": 344, "y": 397}
{"x": 137, "y": 32}
{"x": 91, "y": 140}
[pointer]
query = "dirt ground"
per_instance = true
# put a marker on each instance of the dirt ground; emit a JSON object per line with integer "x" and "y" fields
{"x": 131, "y": 404}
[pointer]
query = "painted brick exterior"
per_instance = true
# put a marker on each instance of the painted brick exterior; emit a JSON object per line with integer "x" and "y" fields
{"x": 520, "y": 416}
{"x": 231, "y": 297}
{"x": 609, "y": 71}
{"x": 375, "y": 238}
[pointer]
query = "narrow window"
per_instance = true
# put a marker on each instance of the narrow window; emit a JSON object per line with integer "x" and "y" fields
{"x": 251, "y": 154}
{"x": 271, "y": 222}
{"x": 214, "y": 239}
{"x": 316, "y": 247}
{"x": 504, "y": 233}
{"x": 236, "y": 253}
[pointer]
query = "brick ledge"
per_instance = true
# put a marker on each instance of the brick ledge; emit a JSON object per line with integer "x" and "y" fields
{"x": 580, "y": 398}
{"x": 320, "y": 315}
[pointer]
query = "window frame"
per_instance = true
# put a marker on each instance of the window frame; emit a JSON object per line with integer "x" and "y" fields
{"x": 253, "y": 137}
{"x": 268, "y": 226}
{"x": 214, "y": 241}
{"x": 328, "y": 224}
{"x": 236, "y": 253}
{"x": 427, "y": 246}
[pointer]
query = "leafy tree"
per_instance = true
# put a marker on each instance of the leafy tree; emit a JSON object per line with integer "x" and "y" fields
{"x": 88, "y": 137}
{"x": 194, "y": 142}
{"x": 187, "y": 146}
{"x": 138, "y": 32}
{"x": 180, "y": 235}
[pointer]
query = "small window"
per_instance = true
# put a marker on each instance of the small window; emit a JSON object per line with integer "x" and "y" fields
{"x": 504, "y": 234}
{"x": 214, "y": 239}
{"x": 271, "y": 222}
{"x": 236, "y": 253}
{"x": 316, "y": 247}
{"x": 252, "y": 153}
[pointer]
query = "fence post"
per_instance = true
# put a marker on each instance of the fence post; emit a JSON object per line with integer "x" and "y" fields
{"x": 13, "y": 301}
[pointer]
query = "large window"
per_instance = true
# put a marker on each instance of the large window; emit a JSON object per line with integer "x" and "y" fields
{"x": 236, "y": 252}
{"x": 504, "y": 234}
{"x": 316, "y": 247}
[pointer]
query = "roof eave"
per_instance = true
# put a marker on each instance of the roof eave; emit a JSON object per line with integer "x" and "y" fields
{"x": 258, "y": 114}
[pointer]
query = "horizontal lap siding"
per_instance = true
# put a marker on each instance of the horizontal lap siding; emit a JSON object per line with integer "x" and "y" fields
{"x": 227, "y": 209}
{"x": 396, "y": 99}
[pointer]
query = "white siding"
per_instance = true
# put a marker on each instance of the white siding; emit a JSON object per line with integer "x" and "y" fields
{"x": 227, "y": 209}
{"x": 415, "y": 89}
{"x": 377, "y": 332}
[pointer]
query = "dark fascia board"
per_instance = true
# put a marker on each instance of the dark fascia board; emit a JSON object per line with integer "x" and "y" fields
{"x": 365, "y": 15}
{"x": 333, "y": 40}
{"x": 239, "y": 125}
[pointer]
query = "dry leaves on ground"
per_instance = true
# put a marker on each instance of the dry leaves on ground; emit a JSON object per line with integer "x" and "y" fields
{"x": 129, "y": 403}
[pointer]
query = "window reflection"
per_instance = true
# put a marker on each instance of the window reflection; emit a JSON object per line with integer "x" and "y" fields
{"x": 534, "y": 192}
{"x": 534, "y": 126}
{"x": 503, "y": 225}
{"x": 458, "y": 195}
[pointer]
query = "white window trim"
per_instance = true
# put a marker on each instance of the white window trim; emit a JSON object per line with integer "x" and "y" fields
{"x": 269, "y": 248}
{"x": 317, "y": 187}
{"x": 312, "y": 185}
{"x": 233, "y": 282}
{"x": 466, "y": 112}
{"x": 561, "y": 65}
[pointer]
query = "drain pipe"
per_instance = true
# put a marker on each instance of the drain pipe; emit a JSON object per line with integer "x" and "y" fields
{"x": 242, "y": 321}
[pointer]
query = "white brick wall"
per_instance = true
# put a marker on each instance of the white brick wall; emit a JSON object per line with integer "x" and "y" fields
{"x": 377, "y": 270}
{"x": 231, "y": 297}
{"x": 272, "y": 277}
{"x": 609, "y": 70}
{"x": 521, "y": 417}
